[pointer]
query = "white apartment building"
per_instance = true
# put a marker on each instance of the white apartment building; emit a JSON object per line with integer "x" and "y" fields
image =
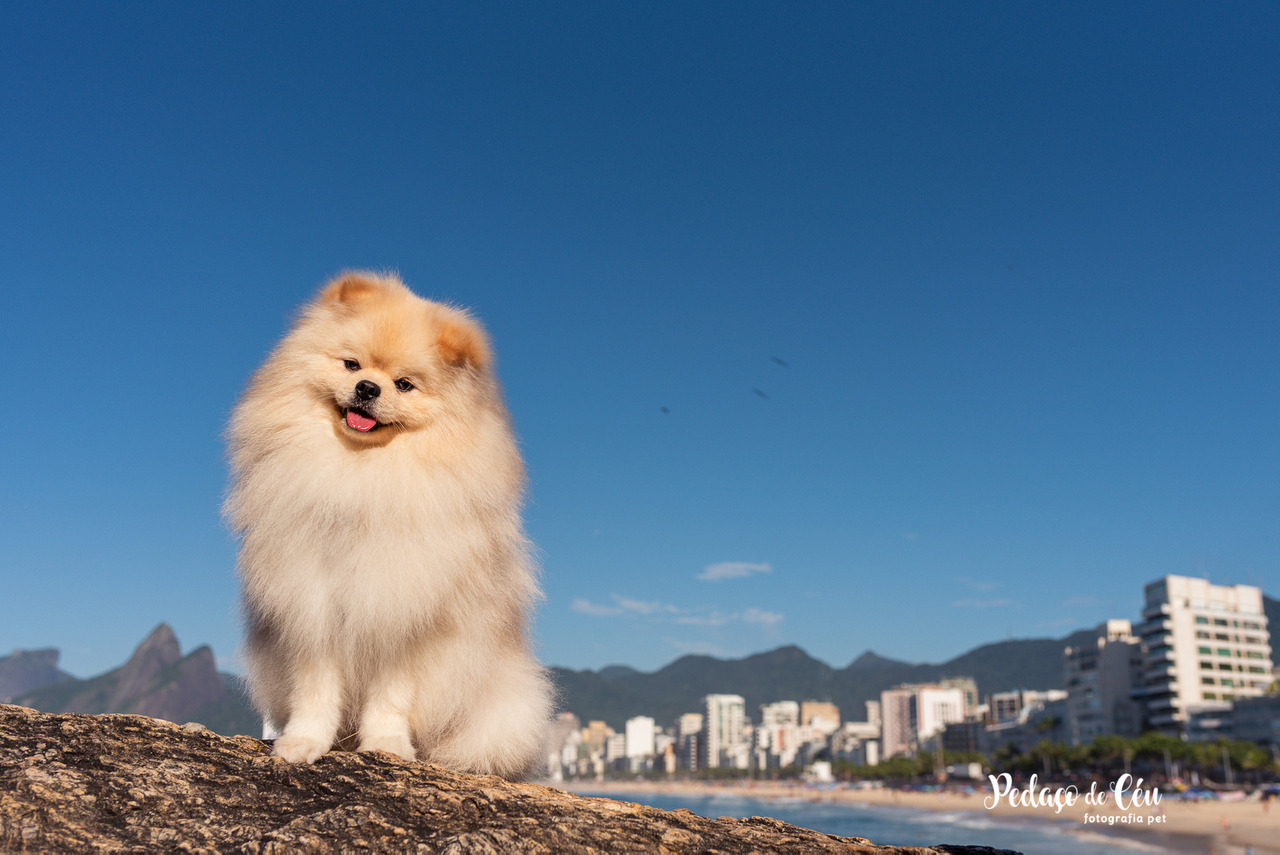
{"x": 615, "y": 747}
{"x": 970, "y": 688}
{"x": 936, "y": 707}
{"x": 778, "y": 735}
{"x": 1204, "y": 644}
{"x": 1100, "y": 677}
{"x": 724, "y": 730}
{"x": 689, "y": 724}
{"x": 780, "y": 714}
{"x": 912, "y": 714}
{"x": 640, "y": 737}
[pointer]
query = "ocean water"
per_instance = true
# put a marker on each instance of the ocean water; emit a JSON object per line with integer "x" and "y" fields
{"x": 901, "y": 826}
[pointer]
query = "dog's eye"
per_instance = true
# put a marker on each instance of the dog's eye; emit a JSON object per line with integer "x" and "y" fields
{"x": 351, "y": 364}
{"x": 403, "y": 385}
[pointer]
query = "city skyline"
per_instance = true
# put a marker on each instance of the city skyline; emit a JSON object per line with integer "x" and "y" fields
{"x": 1197, "y": 669}
{"x": 947, "y": 656}
{"x": 819, "y": 325}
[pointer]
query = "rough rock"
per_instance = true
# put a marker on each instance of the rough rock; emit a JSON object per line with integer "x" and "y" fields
{"x": 128, "y": 783}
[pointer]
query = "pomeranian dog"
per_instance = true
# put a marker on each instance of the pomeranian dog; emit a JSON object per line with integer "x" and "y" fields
{"x": 386, "y": 580}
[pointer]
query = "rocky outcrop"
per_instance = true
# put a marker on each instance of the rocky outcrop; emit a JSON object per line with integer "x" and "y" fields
{"x": 115, "y": 783}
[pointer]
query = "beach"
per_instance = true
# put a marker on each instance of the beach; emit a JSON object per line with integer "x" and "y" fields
{"x": 1213, "y": 826}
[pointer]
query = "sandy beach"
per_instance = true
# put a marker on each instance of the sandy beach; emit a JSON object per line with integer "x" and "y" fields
{"x": 1218, "y": 827}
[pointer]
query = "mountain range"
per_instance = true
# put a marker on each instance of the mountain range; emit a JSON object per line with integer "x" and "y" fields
{"x": 26, "y": 670}
{"x": 616, "y": 693}
{"x": 159, "y": 681}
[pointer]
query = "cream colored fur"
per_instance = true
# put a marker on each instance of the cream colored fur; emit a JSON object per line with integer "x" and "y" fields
{"x": 386, "y": 579}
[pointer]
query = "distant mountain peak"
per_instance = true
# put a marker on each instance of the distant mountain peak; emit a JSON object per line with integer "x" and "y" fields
{"x": 784, "y": 654}
{"x": 157, "y": 681}
{"x": 617, "y": 672}
{"x": 25, "y": 670}
{"x": 157, "y": 651}
{"x": 871, "y": 659}
{"x": 45, "y": 656}
{"x": 161, "y": 641}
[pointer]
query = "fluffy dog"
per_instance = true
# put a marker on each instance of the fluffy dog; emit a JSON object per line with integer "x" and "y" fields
{"x": 386, "y": 580}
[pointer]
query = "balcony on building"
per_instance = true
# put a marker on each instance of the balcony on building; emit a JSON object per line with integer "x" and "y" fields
{"x": 1154, "y": 610}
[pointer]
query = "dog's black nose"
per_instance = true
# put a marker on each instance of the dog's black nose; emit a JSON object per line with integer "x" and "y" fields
{"x": 367, "y": 390}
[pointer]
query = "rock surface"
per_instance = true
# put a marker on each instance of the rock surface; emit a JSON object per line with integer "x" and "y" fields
{"x": 117, "y": 783}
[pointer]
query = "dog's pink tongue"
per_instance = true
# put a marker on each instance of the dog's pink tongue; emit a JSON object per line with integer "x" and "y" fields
{"x": 359, "y": 421}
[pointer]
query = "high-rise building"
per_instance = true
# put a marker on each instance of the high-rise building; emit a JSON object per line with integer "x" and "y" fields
{"x": 898, "y": 736}
{"x": 689, "y": 723}
{"x": 689, "y": 741}
{"x": 724, "y": 732}
{"x": 1258, "y": 720}
{"x": 1204, "y": 644}
{"x": 936, "y": 707}
{"x": 640, "y": 732}
{"x": 778, "y": 735}
{"x": 780, "y": 713}
{"x": 914, "y": 713}
{"x": 970, "y": 688}
{"x": 1100, "y": 677}
{"x": 615, "y": 748}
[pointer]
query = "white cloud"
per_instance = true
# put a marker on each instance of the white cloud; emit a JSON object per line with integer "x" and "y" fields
{"x": 621, "y": 606}
{"x": 732, "y": 570}
{"x": 643, "y": 608}
{"x": 666, "y": 613}
{"x": 769, "y": 620}
{"x": 588, "y": 608}
{"x": 759, "y": 617}
{"x": 975, "y": 603}
{"x": 714, "y": 618}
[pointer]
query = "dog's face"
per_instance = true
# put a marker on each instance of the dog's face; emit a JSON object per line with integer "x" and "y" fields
{"x": 388, "y": 362}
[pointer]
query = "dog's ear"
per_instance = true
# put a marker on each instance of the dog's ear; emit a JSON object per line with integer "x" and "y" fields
{"x": 461, "y": 343}
{"x": 348, "y": 289}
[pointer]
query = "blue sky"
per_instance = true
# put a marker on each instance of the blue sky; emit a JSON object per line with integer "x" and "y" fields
{"x": 892, "y": 326}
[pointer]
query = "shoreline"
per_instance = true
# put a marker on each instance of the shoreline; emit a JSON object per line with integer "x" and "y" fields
{"x": 1219, "y": 827}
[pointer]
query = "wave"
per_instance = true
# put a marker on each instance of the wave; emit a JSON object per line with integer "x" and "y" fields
{"x": 899, "y": 825}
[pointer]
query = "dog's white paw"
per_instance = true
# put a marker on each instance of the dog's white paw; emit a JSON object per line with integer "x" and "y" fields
{"x": 393, "y": 743}
{"x": 299, "y": 749}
